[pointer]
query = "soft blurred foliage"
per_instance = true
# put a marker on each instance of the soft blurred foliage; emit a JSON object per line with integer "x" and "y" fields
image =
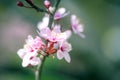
{"x": 97, "y": 57}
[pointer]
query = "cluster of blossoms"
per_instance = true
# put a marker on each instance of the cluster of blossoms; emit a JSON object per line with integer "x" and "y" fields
{"x": 51, "y": 40}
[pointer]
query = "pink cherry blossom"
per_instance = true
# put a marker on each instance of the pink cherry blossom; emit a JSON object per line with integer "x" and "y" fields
{"x": 63, "y": 51}
{"x": 21, "y": 53}
{"x": 76, "y": 26}
{"x": 55, "y": 35}
{"x": 30, "y": 51}
{"x": 60, "y": 13}
{"x": 47, "y": 3}
{"x": 33, "y": 44}
{"x": 30, "y": 59}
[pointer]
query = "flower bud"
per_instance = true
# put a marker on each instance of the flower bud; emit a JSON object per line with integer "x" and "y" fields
{"x": 51, "y": 9}
{"x": 47, "y": 3}
{"x": 20, "y": 4}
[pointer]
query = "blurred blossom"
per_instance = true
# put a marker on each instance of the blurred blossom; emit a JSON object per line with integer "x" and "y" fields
{"x": 76, "y": 26}
{"x": 47, "y": 3}
{"x": 44, "y": 23}
{"x": 60, "y": 13}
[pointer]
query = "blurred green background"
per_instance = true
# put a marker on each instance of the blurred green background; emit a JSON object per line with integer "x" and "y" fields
{"x": 97, "y": 57}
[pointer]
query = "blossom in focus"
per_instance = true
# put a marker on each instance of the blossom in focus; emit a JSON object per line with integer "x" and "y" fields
{"x": 55, "y": 35}
{"x": 29, "y": 58}
{"x": 51, "y": 32}
{"x": 76, "y": 26}
{"x": 30, "y": 51}
{"x": 60, "y": 13}
{"x": 34, "y": 44}
{"x": 64, "y": 50}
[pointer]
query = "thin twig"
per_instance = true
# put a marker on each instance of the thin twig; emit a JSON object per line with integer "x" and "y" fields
{"x": 41, "y": 68}
{"x": 38, "y": 71}
{"x": 52, "y": 16}
{"x": 35, "y": 7}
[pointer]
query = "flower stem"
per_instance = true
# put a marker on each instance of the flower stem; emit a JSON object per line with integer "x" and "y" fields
{"x": 37, "y": 75}
{"x": 38, "y": 71}
{"x": 36, "y": 7}
{"x": 52, "y": 16}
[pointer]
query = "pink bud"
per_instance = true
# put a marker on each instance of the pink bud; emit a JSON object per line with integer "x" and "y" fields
{"x": 47, "y": 3}
{"x": 20, "y": 4}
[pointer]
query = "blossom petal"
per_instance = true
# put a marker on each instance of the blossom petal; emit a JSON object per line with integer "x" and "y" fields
{"x": 67, "y": 57}
{"x": 80, "y": 28}
{"x": 59, "y": 54}
{"x": 65, "y": 35}
{"x": 45, "y": 33}
{"x": 44, "y": 23}
{"x": 21, "y": 53}
{"x": 81, "y": 35}
{"x": 35, "y": 61}
{"x": 27, "y": 58}
{"x": 26, "y": 61}
{"x": 68, "y": 34}
{"x": 56, "y": 29}
{"x": 29, "y": 40}
{"x": 61, "y": 11}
